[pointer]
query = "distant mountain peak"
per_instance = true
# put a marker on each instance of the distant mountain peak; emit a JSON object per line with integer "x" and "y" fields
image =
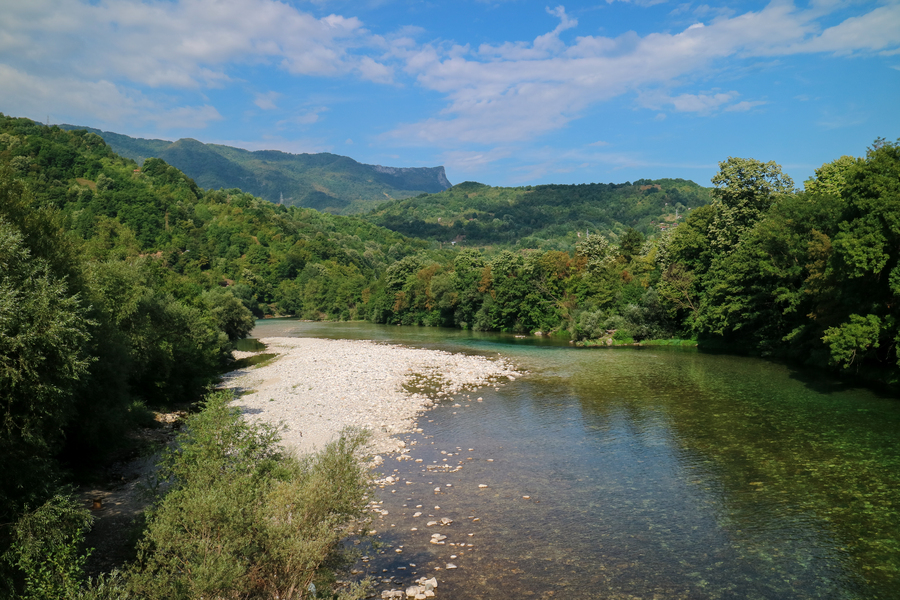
{"x": 324, "y": 181}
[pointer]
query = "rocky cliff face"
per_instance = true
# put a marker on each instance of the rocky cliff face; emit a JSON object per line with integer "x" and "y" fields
{"x": 428, "y": 179}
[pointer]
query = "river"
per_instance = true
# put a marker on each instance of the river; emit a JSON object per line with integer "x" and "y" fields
{"x": 640, "y": 473}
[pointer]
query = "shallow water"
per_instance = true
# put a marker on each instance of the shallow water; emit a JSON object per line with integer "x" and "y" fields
{"x": 650, "y": 473}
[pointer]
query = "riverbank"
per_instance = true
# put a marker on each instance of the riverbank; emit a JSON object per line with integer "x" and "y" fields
{"x": 317, "y": 387}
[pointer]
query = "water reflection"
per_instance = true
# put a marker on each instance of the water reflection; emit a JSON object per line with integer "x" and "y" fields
{"x": 649, "y": 473}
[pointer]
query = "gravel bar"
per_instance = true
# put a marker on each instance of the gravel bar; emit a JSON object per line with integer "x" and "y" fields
{"x": 317, "y": 387}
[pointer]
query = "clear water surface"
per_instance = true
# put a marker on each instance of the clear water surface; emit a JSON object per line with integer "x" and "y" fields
{"x": 640, "y": 473}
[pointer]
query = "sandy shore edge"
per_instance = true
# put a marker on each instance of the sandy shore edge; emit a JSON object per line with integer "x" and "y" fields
{"x": 317, "y": 387}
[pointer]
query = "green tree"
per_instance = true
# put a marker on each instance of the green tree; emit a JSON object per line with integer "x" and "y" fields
{"x": 598, "y": 252}
{"x": 863, "y": 268}
{"x": 853, "y": 340}
{"x": 468, "y": 268}
{"x": 745, "y": 188}
{"x": 630, "y": 243}
{"x": 46, "y": 549}
{"x": 43, "y": 332}
{"x": 830, "y": 178}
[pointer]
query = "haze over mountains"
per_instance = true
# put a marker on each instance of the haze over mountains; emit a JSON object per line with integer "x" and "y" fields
{"x": 324, "y": 181}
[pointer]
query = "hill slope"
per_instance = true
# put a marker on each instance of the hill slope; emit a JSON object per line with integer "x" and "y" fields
{"x": 324, "y": 181}
{"x": 544, "y": 216}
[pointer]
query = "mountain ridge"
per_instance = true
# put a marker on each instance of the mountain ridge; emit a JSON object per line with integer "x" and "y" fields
{"x": 324, "y": 181}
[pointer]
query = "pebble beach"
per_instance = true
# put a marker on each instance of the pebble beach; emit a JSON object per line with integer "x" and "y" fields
{"x": 317, "y": 387}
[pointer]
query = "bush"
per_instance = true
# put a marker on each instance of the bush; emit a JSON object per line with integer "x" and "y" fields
{"x": 242, "y": 519}
{"x": 589, "y": 325}
{"x": 45, "y": 549}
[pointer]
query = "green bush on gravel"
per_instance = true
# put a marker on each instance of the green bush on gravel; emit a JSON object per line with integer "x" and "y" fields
{"x": 241, "y": 518}
{"x": 235, "y": 517}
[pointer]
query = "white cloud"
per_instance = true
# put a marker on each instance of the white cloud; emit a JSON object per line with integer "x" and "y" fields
{"x": 305, "y": 117}
{"x": 849, "y": 117}
{"x": 113, "y": 60}
{"x": 179, "y": 43}
{"x": 877, "y": 30}
{"x": 267, "y": 101}
{"x": 639, "y": 2}
{"x": 125, "y": 63}
{"x": 705, "y": 11}
{"x": 68, "y": 99}
{"x": 745, "y": 105}
{"x": 703, "y": 103}
{"x": 27, "y": 94}
{"x": 516, "y": 91}
{"x": 195, "y": 117}
{"x": 535, "y": 162}
{"x": 474, "y": 161}
{"x": 372, "y": 70}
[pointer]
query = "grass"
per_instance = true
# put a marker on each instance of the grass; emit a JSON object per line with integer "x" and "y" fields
{"x": 257, "y": 360}
{"x": 670, "y": 342}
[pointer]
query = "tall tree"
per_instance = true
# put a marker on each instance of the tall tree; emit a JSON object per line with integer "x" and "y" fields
{"x": 745, "y": 188}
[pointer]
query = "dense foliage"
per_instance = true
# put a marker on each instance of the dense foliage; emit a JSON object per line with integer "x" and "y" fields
{"x": 765, "y": 268}
{"x": 324, "y": 181}
{"x": 272, "y": 257}
{"x": 549, "y": 217}
{"x": 235, "y": 517}
{"x": 815, "y": 275}
{"x": 240, "y": 518}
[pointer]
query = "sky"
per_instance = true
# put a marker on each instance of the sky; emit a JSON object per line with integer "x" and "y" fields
{"x": 504, "y": 92}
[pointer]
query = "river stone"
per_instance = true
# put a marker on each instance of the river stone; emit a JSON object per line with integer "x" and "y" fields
{"x": 303, "y": 390}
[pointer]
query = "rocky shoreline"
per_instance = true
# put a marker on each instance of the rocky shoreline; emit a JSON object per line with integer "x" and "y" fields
{"x": 317, "y": 387}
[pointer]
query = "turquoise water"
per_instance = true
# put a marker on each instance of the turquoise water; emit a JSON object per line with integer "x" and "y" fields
{"x": 649, "y": 473}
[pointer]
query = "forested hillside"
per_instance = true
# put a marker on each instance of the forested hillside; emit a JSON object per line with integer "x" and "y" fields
{"x": 124, "y": 287}
{"x": 324, "y": 181}
{"x": 549, "y": 217}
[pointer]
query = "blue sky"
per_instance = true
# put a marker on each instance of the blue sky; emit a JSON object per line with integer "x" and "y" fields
{"x": 507, "y": 92}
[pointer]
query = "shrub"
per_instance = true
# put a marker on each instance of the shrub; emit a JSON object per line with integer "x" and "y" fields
{"x": 243, "y": 519}
{"x": 45, "y": 548}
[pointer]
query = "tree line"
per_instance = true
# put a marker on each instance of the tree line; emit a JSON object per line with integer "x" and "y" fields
{"x": 807, "y": 273}
{"x": 546, "y": 217}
